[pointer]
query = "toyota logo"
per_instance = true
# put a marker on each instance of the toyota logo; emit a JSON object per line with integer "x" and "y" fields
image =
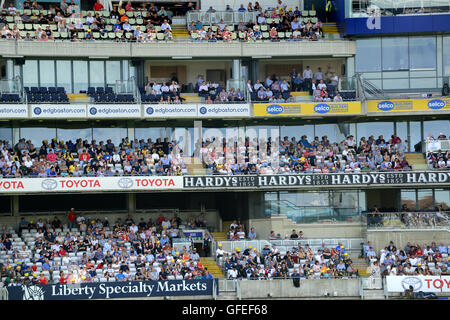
{"x": 93, "y": 110}
{"x": 416, "y": 283}
{"x": 125, "y": 183}
{"x": 37, "y": 111}
{"x": 49, "y": 184}
{"x": 149, "y": 110}
{"x": 203, "y": 110}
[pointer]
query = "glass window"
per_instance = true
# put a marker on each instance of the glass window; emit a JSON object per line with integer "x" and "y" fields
{"x": 64, "y": 74}
{"x": 415, "y": 133}
{"x": 298, "y": 132}
{"x": 425, "y": 199}
{"x": 408, "y": 198}
{"x": 37, "y": 135}
{"x": 47, "y": 73}
{"x": 30, "y": 73}
{"x": 153, "y": 133}
{"x": 125, "y": 70}
{"x": 442, "y": 198}
{"x": 368, "y": 55}
{"x": 115, "y": 134}
{"x": 446, "y": 55}
{"x": 436, "y": 127}
{"x": 395, "y": 53}
{"x": 74, "y": 134}
{"x": 422, "y": 52}
{"x": 80, "y": 75}
{"x": 185, "y": 139}
{"x": 6, "y": 134}
{"x": 402, "y": 130}
{"x": 96, "y": 73}
{"x": 271, "y": 203}
{"x": 112, "y": 72}
{"x": 332, "y": 131}
{"x": 375, "y": 129}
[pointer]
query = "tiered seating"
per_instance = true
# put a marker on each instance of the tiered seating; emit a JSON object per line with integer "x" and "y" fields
{"x": 106, "y": 95}
{"x": 10, "y": 98}
{"x": 46, "y": 95}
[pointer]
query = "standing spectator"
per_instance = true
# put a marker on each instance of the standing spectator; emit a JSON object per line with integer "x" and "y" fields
{"x": 71, "y": 216}
{"x": 307, "y": 78}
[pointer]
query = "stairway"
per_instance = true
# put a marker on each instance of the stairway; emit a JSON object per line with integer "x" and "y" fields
{"x": 362, "y": 266}
{"x": 180, "y": 33}
{"x": 301, "y": 96}
{"x": 373, "y": 294}
{"x": 191, "y": 98}
{"x": 194, "y": 166}
{"x": 416, "y": 161}
{"x": 331, "y": 31}
{"x": 78, "y": 98}
{"x": 219, "y": 236}
{"x": 213, "y": 268}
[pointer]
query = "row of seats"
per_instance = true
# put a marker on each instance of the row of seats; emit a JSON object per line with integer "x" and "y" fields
{"x": 44, "y": 89}
{"x": 111, "y": 97}
{"x": 47, "y": 98}
{"x": 10, "y": 98}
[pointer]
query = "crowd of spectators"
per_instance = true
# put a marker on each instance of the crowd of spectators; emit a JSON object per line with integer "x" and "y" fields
{"x": 129, "y": 23}
{"x": 439, "y": 159}
{"x": 273, "y": 23}
{"x": 164, "y": 157}
{"x": 83, "y": 158}
{"x": 299, "y": 262}
{"x": 412, "y": 259}
{"x": 162, "y": 93}
{"x": 409, "y": 218}
{"x": 99, "y": 251}
{"x": 254, "y": 156}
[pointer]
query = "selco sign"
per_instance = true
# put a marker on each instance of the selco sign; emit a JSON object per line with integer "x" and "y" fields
{"x": 418, "y": 283}
{"x": 325, "y": 179}
{"x": 91, "y": 184}
{"x": 307, "y": 109}
{"x": 408, "y": 105}
{"x": 111, "y": 290}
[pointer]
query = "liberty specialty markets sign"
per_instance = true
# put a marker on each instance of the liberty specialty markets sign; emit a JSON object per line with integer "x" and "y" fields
{"x": 111, "y": 290}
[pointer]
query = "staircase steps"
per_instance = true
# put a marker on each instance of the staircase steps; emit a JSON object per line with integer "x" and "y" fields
{"x": 301, "y": 96}
{"x": 362, "y": 266}
{"x": 416, "y": 161}
{"x": 191, "y": 98}
{"x": 180, "y": 33}
{"x": 194, "y": 166}
{"x": 219, "y": 236}
{"x": 331, "y": 31}
{"x": 213, "y": 268}
{"x": 78, "y": 98}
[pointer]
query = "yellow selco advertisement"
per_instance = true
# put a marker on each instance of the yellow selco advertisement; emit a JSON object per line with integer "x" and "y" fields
{"x": 307, "y": 109}
{"x": 407, "y": 105}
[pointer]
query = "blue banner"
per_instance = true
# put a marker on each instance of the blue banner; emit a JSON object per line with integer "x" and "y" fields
{"x": 111, "y": 290}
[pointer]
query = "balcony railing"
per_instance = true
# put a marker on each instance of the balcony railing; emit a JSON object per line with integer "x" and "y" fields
{"x": 409, "y": 220}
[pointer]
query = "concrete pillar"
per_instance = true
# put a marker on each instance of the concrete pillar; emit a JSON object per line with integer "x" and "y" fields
{"x": 130, "y": 130}
{"x": 15, "y": 206}
{"x": 15, "y": 133}
{"x": 131, "y": 203}
{"x": 198, "y": 137}
{"x": 255, "y": 70}
{"x": 9, "y": 69}
{"x": 236, "y": 69}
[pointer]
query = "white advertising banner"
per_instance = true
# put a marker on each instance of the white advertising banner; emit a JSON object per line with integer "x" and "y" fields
{"x": 13, "y": 111}
{"x": 419, "y": 283}
{"x": 114, "y": 111}
{"x": 141, "y": 183}
{"x": 66, "y": 111}
{"x": 170, "y": 110}
{"x": 223, "y": 110}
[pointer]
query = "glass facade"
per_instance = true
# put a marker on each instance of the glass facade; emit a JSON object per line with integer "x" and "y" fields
{"x": 314, "y": 206}
{"x": 425, "y": 199}
{"x": 74, "y": 75}
{"x": 412, "y": 62}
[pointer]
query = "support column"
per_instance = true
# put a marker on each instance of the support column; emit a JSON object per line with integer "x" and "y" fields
{"x": 15, "y": 133}
{"x": 198, "y": 137}
{"x": 131, "y": 203}
{"x": 15, "y": 206}
{"x": 130, "y": 130}
{"x": 9, "y": 69}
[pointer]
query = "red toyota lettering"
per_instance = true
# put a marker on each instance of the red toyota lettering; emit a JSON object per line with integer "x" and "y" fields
{"x": 428, "y": 282}
{"x": 441, "y": 283}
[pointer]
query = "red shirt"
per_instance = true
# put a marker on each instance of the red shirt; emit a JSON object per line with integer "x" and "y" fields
{"x": 43, "y": 280}
{"x": 71, "y": 216}
{"x": 34, "y": 268}
{"x": 85, "y": 157}
{"x": 62, "y": 252}
{"x": 98, "y": 6}
{"x": 63, "y": 280}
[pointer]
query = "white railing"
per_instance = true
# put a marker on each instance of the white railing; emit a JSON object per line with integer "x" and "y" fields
{"x": 436, "y": 145}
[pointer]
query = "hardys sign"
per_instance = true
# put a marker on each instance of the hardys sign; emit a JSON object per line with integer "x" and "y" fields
{"x": 325, "y": 179}
{"x": 111, "y": 290}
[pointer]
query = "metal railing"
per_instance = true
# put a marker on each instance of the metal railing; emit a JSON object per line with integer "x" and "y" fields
{"x": 409, "y": 220}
